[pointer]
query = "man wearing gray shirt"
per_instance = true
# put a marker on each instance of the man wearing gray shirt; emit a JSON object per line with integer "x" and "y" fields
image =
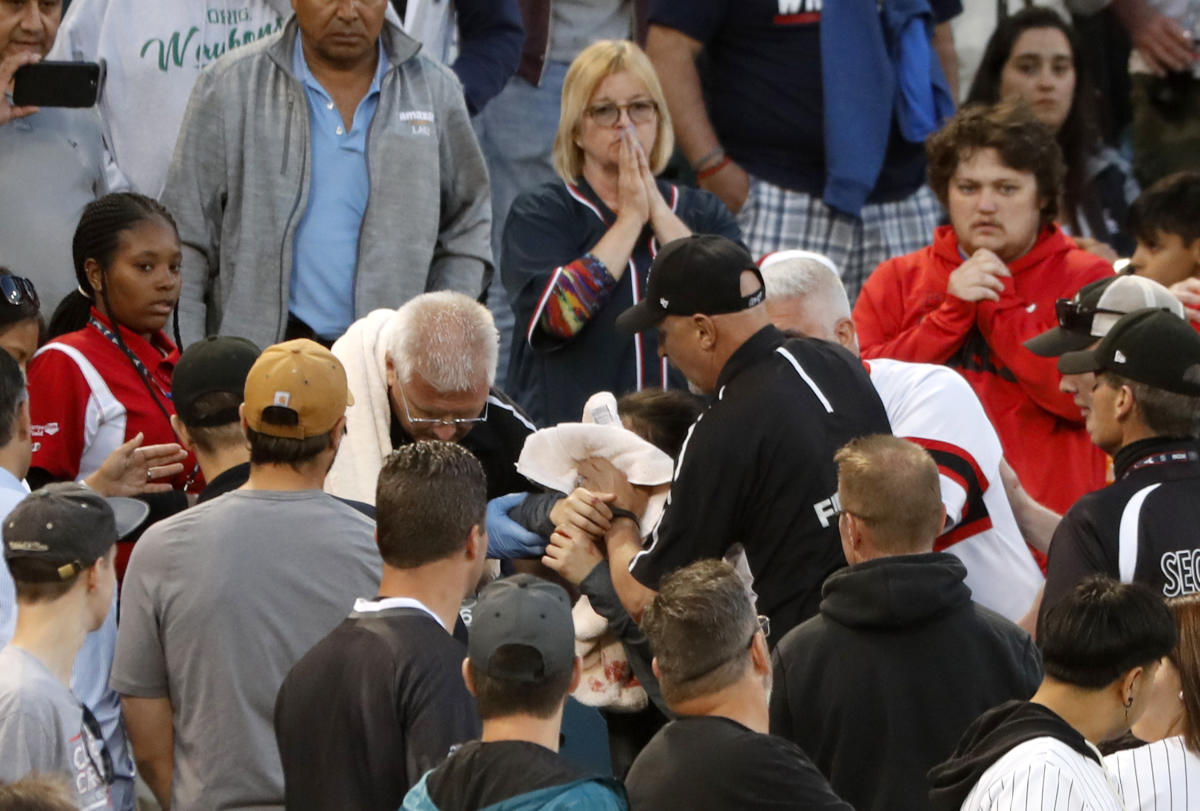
{"x": 222, "y": 599}
{"x": 58, "y": 543}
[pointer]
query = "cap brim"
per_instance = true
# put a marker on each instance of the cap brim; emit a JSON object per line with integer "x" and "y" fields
{"x": 1058, "y": 341}
{"x": 640, "y": 316}
{"x": 1077, "y": 363}
{"x": 128, "y": 514}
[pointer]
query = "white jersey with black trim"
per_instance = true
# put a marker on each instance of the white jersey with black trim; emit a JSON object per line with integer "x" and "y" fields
{"x": 1045, "y": 774}
{"x": 936, "y": 408}
{"x": 1160, "y": 776}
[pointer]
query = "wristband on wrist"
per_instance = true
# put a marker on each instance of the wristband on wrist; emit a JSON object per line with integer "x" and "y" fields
{"x": 708, "y": 159}
{"x": 621, "y": 512}
{"x": 712, "y": 170}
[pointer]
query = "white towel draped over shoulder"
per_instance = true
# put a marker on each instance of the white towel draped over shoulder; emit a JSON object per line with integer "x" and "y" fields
{"x": 363, "y": 352}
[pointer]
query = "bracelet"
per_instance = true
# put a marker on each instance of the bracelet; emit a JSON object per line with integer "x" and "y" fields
{"x": 621, "y": 512}
{"x": 712, "y": 170}
{"x": 699, "y": 165}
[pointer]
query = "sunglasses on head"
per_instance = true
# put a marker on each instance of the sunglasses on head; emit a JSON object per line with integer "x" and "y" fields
{"x": 17, "y": 290}
{"x": 1072, "y": 316}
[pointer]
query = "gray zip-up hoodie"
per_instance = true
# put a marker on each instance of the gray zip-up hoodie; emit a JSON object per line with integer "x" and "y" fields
{"x": 239, "y": 180}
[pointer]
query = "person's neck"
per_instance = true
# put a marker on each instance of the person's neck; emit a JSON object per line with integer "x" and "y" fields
{"x": 220, "y": 460}
{"x": 53, "y": 632}
{"x": 604, "y": 182}
{"x": 1132, "y": 430}
{"x": 342, "y": 77}
{"x": 440, "y": 586}
{"x": 1078, "y": 707}
{"x": 868, "y": 553}
{"x": 308, "y": 476}
{"x": 744, "y": 701}
{"x": 116, "y": 326}
{"x": 542, "y": 731}
{"x": 14, "y": 457}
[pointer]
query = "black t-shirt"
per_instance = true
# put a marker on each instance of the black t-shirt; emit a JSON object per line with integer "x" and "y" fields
{"x": 707, "y": 762}
{"x": 479, "y": 774}
{"x": 764, "y": 89}
{"x": 496, "y": 443}
{"x": 371, "y": 708}
{"x": 757, "y": 470}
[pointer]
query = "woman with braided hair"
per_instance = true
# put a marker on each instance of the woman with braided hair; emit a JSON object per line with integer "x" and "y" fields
{"x": 106, "y": 374}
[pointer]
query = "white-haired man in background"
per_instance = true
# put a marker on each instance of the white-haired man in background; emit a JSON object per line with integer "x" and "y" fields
{"x": 937, "y": 409}
{"x": 426, "y": 371}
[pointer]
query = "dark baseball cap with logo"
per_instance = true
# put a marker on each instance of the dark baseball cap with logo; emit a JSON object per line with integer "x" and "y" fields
{"x": 1150, "y": 346}
{"x": 522, "y": 610}
{"x": 69, "y": 526}
{"x": 218, "y": 363}
{"x": 697, "y": 274}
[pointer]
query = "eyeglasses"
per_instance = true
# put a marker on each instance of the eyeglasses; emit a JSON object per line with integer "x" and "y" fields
{"x": 764, "y": 625}
{"x": 641, "y": 111}
{"x": 17, "y": 290}
{"x": 457, "y": 422}
{"x": 1074, "y": 317}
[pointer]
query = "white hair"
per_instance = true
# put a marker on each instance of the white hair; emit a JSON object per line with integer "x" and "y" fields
{"x": 449, "y": 339}
{"x": 812, "y": 276}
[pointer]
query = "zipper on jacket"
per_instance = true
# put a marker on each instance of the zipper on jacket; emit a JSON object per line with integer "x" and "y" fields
{"x": 287, "y": 135}
{"x": 285, "y": 259}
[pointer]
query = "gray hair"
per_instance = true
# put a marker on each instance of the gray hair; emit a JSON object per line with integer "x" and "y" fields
{"x": 792, "y": 276}
{"x": 449, "y": 339}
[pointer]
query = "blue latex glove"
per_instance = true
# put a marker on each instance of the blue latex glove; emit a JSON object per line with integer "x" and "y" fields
{"x": 506, "y": 538}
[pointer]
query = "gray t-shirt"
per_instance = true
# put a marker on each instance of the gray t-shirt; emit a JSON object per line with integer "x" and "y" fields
{"x": 42, "y": 729}
{"x": 53, "y": 165}
{"x": 218, "y": 603}
{"x": 576, "y": 24}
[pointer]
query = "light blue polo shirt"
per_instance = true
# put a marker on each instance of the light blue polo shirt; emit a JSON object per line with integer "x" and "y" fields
{"x": 326, "y": 244}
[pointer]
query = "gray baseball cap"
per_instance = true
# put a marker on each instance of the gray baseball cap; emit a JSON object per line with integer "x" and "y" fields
{"x": 523, "y": 610}
{"x": 1093, "y": 311}
{"x": 69, "y": 525}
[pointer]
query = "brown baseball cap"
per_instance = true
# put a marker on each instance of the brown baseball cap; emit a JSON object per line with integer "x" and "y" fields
{"x": 300, "y": 376}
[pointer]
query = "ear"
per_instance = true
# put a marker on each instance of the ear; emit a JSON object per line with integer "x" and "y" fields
{"x": 655, "y": 669}
{"x": 1129, "y": 684}
{"x": 576, "y": 674}
{"x": 242, "y": 418}
{"x": 846, "y": 335}
{"x": 181, "y": 432}
{"x": 389, "y": 370}
{"x": 466, "y": 673}
{"x": 21, "y": 425}
{"x": 760, "y": 657}
{"x": 706, "y": 331}
{"x": 1194, "y": 250}
{"x": 942, "y": 523}
{"x": 91, "y": 269}
{"x": 473, "y": 546}
{"x": 337, "y": 432}
{"x": 1124, "y": 403}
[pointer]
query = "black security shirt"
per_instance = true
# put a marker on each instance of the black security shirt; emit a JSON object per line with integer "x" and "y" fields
{"x": 371, "y": 708}
{"x": 1145, "y": 526}
{"x": 496, "y": 443}
{"x": 757, "y": 470}
{"x": 704, "y": 762}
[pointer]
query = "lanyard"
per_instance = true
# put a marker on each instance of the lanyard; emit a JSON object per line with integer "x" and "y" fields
{"x": 134, "y": 359}
{"x": 1169, "y": 458}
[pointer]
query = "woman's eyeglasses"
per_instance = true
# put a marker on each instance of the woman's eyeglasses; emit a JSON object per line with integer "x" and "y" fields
{"x": 18, "y": 290}
{"x": 642, "y": 111}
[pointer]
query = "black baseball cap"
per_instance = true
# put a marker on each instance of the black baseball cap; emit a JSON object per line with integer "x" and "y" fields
{"x": 523, "y": 610}
{"x": 1093, "y": 311}
{"x": 697, "y": 274}
{"x": 1150, "y": 346}
{"x": 216, "y": 363}
{"x": 69, "y": 525}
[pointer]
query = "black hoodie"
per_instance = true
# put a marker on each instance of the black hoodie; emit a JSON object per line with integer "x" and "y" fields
{"x": 993, "y": 735}
{"x": 881, "y": 684}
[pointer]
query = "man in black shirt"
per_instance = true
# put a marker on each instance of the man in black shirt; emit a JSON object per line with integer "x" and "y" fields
{"x": 521, "y": 668}
{"x": 757, "y": 468}
{"x": 206, "y": 388}
{"x": 1144, "y": 410}
{"x": 380, "y": 700}
{"x": 712, "y": 664}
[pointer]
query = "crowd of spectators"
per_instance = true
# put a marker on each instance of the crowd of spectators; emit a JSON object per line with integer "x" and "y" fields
{"x": 601, "y": 404}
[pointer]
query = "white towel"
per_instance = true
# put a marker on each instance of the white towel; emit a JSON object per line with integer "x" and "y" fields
{"x": 363, "y": 352}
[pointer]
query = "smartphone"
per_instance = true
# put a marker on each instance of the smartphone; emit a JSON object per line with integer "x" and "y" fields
{"x": 58, "y": 84}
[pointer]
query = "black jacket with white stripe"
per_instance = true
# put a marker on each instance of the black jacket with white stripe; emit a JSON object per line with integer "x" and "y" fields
{"x": 1145, "y": 526}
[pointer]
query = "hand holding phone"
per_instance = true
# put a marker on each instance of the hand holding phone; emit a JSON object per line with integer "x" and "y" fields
{"x": 8, "y": 67}
{"x": 58, "y": 84}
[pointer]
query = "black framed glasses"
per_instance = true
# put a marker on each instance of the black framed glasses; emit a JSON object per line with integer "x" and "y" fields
{"x": 1074, "y": 317}
{"x": 640, "y": 111}
{"x": 457, "y": 422}
{"x": 18, "y": 290}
